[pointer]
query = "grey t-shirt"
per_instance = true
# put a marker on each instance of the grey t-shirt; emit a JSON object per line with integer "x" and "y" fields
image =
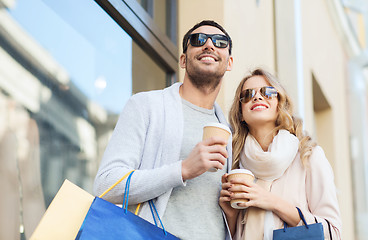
{"x": 193, "y": 211}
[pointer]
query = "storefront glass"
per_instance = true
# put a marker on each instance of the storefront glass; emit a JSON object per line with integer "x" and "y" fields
{"x": 67, "y": 70}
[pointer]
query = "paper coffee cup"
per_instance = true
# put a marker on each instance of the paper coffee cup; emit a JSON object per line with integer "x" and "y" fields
{"x": 243, "y": 174}
{"x": 216, "y": 129}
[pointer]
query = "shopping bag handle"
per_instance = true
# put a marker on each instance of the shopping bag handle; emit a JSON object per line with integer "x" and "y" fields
{"x": 126, "y": 198}
{"x": 305, "y": 222}
{"x": 126, "y": 192}
{"x": 150, "y": 202}
{"x": 301, "y": 216}
{"x": 114, "y": 185}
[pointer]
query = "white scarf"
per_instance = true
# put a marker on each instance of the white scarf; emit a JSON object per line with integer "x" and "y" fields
{"x": 266, "y": 167}
{"x": 272, "y": 164}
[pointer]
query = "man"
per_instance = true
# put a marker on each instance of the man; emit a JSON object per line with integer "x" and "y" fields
{"x": 159, "y": 134}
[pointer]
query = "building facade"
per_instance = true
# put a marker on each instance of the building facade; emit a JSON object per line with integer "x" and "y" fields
{"x": 67, "y": 69}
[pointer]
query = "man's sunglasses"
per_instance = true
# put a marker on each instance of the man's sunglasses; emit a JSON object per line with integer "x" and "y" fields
{"x": 267, "y": 92}
{"x": 199, "y": 39}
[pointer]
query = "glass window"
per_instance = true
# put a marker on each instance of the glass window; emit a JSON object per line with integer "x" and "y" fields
{"x": 163, "y": 13}
{"x": 67, "y": 70}
{"x": 356, "y": 12}
{"x": 147, "y": 5}
{"x": 94, "y": 51}
{"x": 95, "y": 55}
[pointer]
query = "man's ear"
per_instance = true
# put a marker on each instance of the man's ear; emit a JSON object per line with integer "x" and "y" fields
{"x": 230, "y": 64}
{"x": 183, "y": 60}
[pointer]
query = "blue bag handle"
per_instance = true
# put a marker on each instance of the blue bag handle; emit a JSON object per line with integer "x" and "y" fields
{"x": 305, "y": 222}
{"x": 301, "y": 216}
{"x": 150, "y": 202}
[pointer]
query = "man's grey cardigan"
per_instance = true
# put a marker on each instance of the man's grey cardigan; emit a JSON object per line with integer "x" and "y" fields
{"x": 147, "y": 138}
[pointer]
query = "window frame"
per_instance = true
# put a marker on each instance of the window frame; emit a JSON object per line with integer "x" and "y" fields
{"x": 132, "y": 17}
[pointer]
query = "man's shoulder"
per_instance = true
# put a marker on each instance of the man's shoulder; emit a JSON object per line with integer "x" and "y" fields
{"x": 155, "y": 94}
{"x": 154, "y": 99}
{"x": 145, "y": 99}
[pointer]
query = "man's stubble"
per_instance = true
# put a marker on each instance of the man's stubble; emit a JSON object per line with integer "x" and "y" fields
{"x": 204, "y": 80}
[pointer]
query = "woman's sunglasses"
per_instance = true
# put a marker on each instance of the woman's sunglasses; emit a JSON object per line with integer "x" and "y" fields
{"x": 267, "y": 92}
{"x": 199, "y": 39}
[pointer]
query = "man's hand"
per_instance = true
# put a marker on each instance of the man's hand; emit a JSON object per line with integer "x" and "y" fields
{"x": 210, "y": 153}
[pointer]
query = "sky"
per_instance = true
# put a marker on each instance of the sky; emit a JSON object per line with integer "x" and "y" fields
{"x": 86, "y": 42}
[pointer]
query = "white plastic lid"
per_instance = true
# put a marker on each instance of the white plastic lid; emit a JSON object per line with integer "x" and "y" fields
{"x": 219, "y": 125}
{"x": 241, "y": 171}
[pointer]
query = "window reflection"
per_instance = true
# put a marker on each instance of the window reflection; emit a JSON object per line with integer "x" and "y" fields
{"x": 66, "y": 72}
{"x": 84, "y": 41}
{"x": 22, "y": 204}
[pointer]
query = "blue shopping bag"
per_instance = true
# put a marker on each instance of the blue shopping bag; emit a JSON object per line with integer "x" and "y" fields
{"x": 106, "y": 221}
{"x": 307, "y": 232}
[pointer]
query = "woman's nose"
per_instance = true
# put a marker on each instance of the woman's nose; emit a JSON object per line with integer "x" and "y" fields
{"x": 257, "y": 96}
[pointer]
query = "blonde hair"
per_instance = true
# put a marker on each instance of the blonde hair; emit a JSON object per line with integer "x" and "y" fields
{"x": 285, "y": 119}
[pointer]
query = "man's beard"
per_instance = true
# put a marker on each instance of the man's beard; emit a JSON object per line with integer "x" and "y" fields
{"x": 206, "y": 81}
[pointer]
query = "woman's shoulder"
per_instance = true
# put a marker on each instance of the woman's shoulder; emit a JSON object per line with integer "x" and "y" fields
{"x": 318, "y": 155}
{"x": 318, "y": 151}
{"x": 318, "y": 161}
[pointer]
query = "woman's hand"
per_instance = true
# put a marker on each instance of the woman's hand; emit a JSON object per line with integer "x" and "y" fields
{"x": 261, "y": 198}
{"x": 225, "y": 197}
{"x": 224, "y": 201}
{"x": 257, "y": 195}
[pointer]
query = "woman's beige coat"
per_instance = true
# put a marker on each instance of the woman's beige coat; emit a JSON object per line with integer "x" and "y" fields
{"x": 312, "y": 189}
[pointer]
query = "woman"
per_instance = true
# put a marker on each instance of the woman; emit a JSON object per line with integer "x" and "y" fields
{"x": 290, "y": 169}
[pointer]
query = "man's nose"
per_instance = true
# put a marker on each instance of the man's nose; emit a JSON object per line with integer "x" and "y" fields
{"x": 208, "y": 45}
